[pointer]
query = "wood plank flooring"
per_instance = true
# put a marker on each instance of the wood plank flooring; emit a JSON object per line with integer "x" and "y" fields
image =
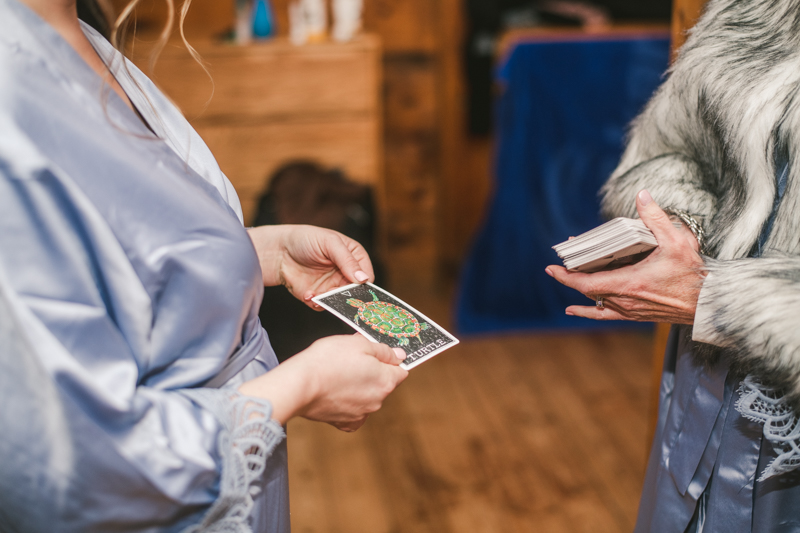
{"x": 523, "y": 433}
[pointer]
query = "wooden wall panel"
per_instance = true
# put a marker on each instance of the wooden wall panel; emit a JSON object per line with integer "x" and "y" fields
{"x": 466, "y": 161}
{"x": 410, "y": 94}
{"x": 280, "y": 9}
{"x": 406, "y": 26}
{"x": 410, "y": 33}
{"x": 411, "y": 180}
{"x": 684, "y": 15}
{"x": 412, "y": 168}
{"x": 411, "y": 172}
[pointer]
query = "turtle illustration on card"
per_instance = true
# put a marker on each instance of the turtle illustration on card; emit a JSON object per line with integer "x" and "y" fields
{"x": 382, "y": 317}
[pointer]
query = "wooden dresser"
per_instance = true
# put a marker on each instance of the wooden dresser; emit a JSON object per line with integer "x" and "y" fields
{"x": 274, "y": 102}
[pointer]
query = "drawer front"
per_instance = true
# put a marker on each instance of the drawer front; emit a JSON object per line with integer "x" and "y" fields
{"x": 249, "y": 154}
{"x": 249, "y": 82}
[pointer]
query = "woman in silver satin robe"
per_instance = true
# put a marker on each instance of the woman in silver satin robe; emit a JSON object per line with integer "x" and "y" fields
{"x": 134, "y": 385}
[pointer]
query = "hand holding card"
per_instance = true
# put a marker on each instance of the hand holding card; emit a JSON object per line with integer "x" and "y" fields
{"x": 384, "y": 318}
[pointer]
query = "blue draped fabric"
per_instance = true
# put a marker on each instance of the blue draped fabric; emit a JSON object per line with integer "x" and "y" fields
{"x": 561, "y": 122}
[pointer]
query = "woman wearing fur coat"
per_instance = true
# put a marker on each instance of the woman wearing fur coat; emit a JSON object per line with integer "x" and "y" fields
{"x": 716, "y": 146}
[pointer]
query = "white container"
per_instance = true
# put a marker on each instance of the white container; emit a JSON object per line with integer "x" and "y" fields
{"x": 346, "y": 19}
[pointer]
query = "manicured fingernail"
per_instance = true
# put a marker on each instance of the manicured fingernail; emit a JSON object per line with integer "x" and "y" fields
{"x": 549, "y": 272}
{"x": 400, "y": 353}
{"x": 644, "y": 197}
{"x": 570, "y": 313}
{"x": 361, "y": 276}
{"x": 308, "y": 296}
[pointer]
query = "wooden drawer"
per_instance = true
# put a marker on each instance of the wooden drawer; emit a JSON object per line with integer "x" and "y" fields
{"x": 250, "y": 153}
{"x": 274, "y": 79}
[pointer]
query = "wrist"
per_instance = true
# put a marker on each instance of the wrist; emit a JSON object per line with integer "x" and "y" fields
{"x": 269, "y": 245}
{"x": 290, "y": 388}
{"x": 307, "y": 382}
{"x": 692, "y": 222}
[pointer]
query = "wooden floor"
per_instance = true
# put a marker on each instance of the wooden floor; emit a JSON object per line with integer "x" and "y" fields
{"x": 498, "y": 435}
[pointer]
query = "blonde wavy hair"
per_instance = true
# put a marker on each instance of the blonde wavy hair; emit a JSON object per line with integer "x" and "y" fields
{"x": 122, "y": 31}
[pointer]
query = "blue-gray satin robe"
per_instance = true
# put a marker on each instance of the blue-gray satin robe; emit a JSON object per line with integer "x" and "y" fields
{"x": 129, "y": 296}
{"x": 702, "y": 443}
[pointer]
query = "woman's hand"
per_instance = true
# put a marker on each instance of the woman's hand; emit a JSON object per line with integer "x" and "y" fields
{"x": 663, "y": 287}
{"x": 309, "y": 260}
{"x": 339, "y": 380}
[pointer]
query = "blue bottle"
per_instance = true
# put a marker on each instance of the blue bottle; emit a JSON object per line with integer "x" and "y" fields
{"x": 263, "y": 20}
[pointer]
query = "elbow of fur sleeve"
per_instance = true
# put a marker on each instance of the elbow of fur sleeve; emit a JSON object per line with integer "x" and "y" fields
{"x": 751, "y": 307}
{"x": 673, "y": 180}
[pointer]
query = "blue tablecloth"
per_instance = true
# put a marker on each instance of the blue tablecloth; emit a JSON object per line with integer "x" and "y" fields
{"x": 562, "y": 115}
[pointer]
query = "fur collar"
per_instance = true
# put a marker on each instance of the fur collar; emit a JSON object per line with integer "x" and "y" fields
{"x": 732, "y": 93}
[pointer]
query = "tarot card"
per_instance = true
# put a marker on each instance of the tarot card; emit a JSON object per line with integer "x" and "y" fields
{"x": 384, "y": 318}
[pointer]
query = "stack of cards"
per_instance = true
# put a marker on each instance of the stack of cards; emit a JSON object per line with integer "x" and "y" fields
{"x": 616, "y": 243}
{"x": 382, "y": 317}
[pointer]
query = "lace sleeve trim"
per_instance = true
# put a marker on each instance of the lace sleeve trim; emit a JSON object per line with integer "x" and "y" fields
{"x": 781, "y": 425}
{"x": 248, "y": 439}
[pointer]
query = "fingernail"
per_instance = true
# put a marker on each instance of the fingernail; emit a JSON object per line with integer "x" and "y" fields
{"x": 400, "y": 353}
{"x": 570, "y": 313}
{"x": 361, "y": 276}
{"x": 308, "y": 296}
{"x": 644, "y": 197}
{"x": 549, "y": 272}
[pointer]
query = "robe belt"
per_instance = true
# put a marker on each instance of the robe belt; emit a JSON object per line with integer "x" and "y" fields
{"x": 246, "y": 353}
{"x": 691, "y": 458}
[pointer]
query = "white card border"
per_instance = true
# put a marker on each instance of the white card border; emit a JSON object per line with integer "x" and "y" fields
{"x": 348, "y": 321}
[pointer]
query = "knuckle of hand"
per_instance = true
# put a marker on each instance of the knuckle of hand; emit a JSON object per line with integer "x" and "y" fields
{"x": 590, "y": 289}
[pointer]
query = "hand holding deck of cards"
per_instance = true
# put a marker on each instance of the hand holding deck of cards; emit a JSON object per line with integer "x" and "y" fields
{"x": 382, "y": 317}
{"x": 616, "y": 243}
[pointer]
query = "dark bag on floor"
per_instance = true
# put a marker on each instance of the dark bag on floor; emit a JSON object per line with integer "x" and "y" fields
{"x": 305, "y": 193}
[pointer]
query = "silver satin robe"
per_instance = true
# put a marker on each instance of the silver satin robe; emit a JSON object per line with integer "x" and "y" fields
{"x": 129, "y": 296}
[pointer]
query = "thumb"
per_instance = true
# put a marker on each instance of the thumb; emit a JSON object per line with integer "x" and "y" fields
{"x": 346, "y": 262}
{"x": 390, "y": 356}
{"x": 654, "y": 217}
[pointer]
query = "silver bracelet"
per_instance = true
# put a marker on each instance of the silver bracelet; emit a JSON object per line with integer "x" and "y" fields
{"x": 691, "y": 223}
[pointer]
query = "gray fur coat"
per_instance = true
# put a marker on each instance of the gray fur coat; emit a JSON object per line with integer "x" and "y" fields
{"x": 705, "y": 144}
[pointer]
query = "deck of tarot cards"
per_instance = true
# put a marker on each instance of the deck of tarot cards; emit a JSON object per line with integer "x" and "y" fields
{"x": 616, "y": 243}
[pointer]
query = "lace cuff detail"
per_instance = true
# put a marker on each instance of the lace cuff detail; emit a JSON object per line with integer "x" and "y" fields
{"x": 781, "y": 425}
{"x": 246, "y": 442}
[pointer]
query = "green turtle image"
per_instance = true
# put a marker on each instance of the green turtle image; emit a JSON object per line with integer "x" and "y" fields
{"x": 387, "y": 319}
